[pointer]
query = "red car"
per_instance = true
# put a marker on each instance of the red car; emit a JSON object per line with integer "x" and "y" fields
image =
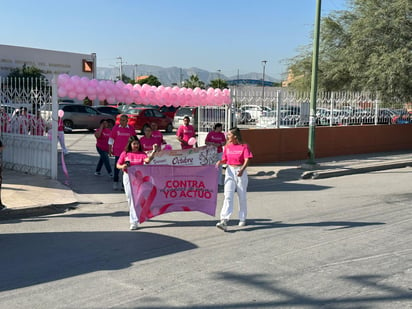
{"x": 141, "y": 117}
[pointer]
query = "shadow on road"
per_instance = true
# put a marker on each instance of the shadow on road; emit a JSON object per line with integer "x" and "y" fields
{"x": 34, "y": 258}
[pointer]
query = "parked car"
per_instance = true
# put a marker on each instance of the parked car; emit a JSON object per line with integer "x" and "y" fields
{"x": 79, "y": 116}
{"x": 255, "y": 111}
{"x": 108, "y": 110}
{"x": 141, "y": 117}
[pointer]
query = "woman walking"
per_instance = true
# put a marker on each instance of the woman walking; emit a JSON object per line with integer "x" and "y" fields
{"x": 236, "y": 154}
{"x": 102, "y": 135}
{"x": 132, "y": 155}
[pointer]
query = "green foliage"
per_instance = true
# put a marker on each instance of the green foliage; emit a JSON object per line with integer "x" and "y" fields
{"x": 193, "y": 82}
{"x": 127, "y": 79}
{"x": 218, "y": 83}
{"x": 26, "y": 72}
{"x": 150, "y": 80}
{"x": 365, "y": 49}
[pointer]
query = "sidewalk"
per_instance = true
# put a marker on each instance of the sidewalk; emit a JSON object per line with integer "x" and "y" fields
{"x": 27, "y": 195}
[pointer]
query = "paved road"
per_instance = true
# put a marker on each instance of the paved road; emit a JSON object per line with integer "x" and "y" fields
{"x": 330, "y": 243}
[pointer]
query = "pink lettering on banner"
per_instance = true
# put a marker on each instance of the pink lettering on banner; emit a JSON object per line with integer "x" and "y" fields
{"x": 159, "y": 189}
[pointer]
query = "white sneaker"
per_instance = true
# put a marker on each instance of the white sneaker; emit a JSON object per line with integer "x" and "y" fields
{"x": 242, "y": 223}
{"x": 134, "y": 226}
{"x": 222, "y": 225}
{"x": 115, "y": 186}
{"x": 97, "y": 173}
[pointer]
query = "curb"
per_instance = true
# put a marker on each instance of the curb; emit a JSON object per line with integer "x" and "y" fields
{"x": 365, "y": 168}
{"x": 20, "y": 213}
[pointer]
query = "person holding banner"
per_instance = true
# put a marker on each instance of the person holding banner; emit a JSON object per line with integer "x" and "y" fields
{"x": 148, "y": 140}
{"x": 157, "y": 134}
{"x": 185, "y": 132}
{"x": 217, "y": 139}
{"x": 117, "y": 143}
{"x": 133, "y": 155}
{"x": 236, "y": 154}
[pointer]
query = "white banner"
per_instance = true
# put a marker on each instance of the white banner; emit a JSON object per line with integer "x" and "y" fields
{"x": 205, "y": 155}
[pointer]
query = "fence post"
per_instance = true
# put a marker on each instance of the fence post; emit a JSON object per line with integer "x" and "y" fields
{"x": 53, "y": 152}
{"x": 278, "y": 107}
{"x": 376, "y": 111}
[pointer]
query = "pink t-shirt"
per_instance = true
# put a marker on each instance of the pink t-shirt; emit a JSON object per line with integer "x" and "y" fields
{"x": 235, "y": 154}
{"x": 186, "y": 132}
{"x": 60, "y": 125}
{"x": 103, "y": 141}
{"x": 147, "y": 143}
{"x": 135, "y": 158}
{"x": 121, "y": 136}
{"x": 159, "y": 136}
{"x": 216, "y": 137}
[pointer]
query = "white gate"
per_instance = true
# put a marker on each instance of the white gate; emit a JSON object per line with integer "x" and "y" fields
{"x": 27, "y": 148}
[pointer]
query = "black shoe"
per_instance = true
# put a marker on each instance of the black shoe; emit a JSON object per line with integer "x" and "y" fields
{"x": 2, "y": 207}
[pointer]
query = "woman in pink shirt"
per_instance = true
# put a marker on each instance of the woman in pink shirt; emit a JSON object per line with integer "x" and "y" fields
{"x": 132, "y": 155}
{"x": 217, "y": 139}
{"x": 148, "y": 140}
{"x": 102, "y": 135}
{"x": 236, "y": 155}
{"x": 60, "y": 135}
{"x": 157, "y": 134}
{"x": 117, "y": 143}
{"x": 185, "y": 132}
{"x": 37, "y": 125}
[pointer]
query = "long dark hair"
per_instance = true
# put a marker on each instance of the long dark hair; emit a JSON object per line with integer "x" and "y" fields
{"x": 236, "y": 132}
{"x": 132, "y": 139}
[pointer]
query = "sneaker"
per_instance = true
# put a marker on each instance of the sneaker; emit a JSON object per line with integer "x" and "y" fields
{"x": 97, "y": 174}
{"x": 222, "y": 225}
{"x": 242, "y": 223}
{"x": 134, "y": 226}
{"x": 115, "y": 186}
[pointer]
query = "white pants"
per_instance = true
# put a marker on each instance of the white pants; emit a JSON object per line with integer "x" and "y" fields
{"x": 234, "y": 183}
{"x": 128, "y": 191}
{"x": 60, "y": 137}
{"x": 220, "y": 178}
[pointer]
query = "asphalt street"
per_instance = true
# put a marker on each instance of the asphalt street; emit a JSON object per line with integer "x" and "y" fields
{"x": 341, "y": 242}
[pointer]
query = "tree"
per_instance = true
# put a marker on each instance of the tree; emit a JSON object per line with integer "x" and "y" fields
{"x": 150, "y": 80}
{"x": 26, "y": 72}
{"x": 365, "y": 49}
{"x": 127, "y": 79}
{"x": 218, "y": 83}
{"x": 193, "y": 82}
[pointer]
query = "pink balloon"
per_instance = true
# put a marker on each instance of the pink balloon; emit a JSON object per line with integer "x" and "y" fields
{"x": 191, "y": 141}
{"x": 62, "y": 92}
{"x": 60, "y": 113}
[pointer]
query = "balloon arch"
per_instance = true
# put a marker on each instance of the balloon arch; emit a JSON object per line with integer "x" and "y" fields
{"x": 82, "y": 87}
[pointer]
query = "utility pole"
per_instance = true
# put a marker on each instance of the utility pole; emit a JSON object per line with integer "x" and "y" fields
{"x": 218, "y": 80}
{"x": 314, "y": 86}
{"x": 181, "y": 77}
{"x": 263, "y": 82}
{"x": 120, "y": 68}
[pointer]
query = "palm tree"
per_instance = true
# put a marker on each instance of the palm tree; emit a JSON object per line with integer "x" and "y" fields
{"x": 193, "y": 82}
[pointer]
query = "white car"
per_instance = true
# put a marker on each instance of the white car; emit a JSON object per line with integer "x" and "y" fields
{"x": 255, "y": 111}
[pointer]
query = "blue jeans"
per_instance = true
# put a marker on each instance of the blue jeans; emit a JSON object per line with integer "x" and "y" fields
{"x": 116, "y": 170}
{"x": 104, "y": 159}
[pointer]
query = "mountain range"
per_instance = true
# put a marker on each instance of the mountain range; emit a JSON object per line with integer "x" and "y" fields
{"x": 173, "y": 75}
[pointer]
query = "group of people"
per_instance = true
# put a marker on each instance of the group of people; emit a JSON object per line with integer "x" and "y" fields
{"x": 21, "y": 122}
{"x": 128, "y": 150}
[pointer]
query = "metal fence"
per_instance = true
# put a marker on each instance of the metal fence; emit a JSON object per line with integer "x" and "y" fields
{"x": 23, "y": 129}
{"x": 280, "y": 107}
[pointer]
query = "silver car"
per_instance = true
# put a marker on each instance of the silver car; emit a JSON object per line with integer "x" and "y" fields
{"x": 79, "y": 116}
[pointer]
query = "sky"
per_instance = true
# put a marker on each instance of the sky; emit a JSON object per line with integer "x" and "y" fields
{"x": 233, "y": 36}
